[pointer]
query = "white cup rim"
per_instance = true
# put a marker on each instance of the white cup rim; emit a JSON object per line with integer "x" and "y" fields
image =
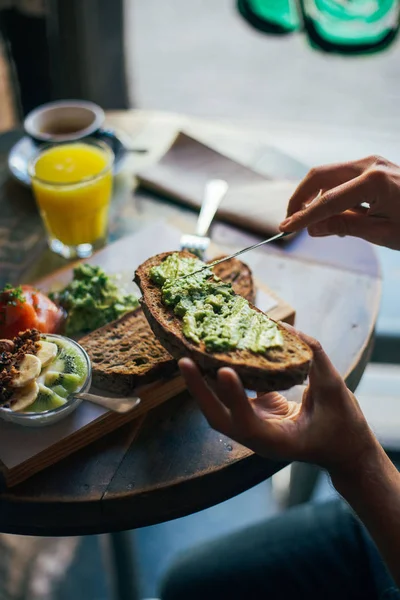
{"x": 30, "y": 122}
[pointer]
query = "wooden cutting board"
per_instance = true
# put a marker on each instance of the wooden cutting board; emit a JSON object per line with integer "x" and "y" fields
{"x": 25, "y": 451}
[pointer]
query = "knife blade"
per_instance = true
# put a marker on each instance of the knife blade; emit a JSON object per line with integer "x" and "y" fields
{"x": 278, "y": 236}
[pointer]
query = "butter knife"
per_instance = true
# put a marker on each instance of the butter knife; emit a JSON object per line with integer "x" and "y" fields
{"x": 278, "y": 236}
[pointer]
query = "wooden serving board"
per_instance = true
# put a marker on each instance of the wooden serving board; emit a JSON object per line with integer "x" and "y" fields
{"x": 25, "y": 451}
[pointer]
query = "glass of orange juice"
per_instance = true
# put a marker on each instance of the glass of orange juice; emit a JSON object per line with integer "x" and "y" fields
{"x": 72, "y": 183}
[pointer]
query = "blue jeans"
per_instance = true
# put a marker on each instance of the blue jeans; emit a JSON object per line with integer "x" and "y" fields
{"x": 314, "y": 551}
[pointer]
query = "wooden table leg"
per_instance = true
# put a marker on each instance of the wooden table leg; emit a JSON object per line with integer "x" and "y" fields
{"x": 303, "y": 480}
{"x": 121, "y": 565}
{"x": 295, "y": 484}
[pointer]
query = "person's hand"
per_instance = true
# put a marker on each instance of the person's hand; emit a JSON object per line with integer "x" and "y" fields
{"x": 328, "y": 202}
{"x": 327, "y": 428}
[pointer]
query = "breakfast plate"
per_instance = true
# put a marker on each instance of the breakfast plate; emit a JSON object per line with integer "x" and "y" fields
{"x": 23, "y": 151}
{"x": 111, "y": 351}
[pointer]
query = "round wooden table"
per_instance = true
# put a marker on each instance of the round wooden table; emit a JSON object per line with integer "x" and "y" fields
{"x": 176, "y": 465}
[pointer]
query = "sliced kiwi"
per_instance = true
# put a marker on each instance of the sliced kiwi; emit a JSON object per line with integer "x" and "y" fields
{"x": 60, "y": 390}
{"x": 69, "y": 381}
{"x": 47, "y": 399}
{"x": 69, "y": 361}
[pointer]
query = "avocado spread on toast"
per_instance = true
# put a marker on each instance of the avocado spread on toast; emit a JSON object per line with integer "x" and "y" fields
{"x": 210, "y": 310}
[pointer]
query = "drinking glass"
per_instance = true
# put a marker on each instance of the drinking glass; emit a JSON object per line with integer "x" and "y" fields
{"x": 72, "y": 184}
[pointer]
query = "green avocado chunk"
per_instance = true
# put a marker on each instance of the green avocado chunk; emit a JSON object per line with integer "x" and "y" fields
{"x": 210, "y": 310}
{"x": 92, "y": 300}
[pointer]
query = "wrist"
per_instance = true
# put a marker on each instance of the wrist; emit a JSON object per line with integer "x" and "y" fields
{"x": 351, "y": 473}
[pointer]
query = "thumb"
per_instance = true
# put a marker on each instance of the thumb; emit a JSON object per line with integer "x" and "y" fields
{"x": 372, "y": 229}
{"x": 322, "y": 373}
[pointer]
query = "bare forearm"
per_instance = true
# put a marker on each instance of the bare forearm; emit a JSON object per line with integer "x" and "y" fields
{"x": 373, "y": 491}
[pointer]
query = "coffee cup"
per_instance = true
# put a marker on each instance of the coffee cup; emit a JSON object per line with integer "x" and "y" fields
{"x": 64, "y": 121}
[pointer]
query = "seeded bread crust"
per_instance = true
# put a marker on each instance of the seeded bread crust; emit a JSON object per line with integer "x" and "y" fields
{"x": 125, "y": 353}
{"x": 277, "y": 369}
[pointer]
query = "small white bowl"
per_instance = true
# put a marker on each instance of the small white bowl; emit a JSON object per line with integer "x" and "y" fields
{"x": 54, "y": 415}
{"x": 64, "y": 121}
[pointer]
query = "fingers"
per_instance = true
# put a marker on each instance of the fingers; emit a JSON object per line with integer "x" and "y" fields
{"x": 324, "y": 178}
{"x": 322, "y": 369}
{"x": 230, "y": 412}
{"x": 232, "y": 394}
{"x": 333, "y": 202}
{"x": 213, "y": 409}
{"x": 372, "y": 229}
{"x": 274, "y": 405}
{"x": 253, "y": 422}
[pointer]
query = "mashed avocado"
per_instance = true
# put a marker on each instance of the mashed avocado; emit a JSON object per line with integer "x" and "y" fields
{"x": 210, "y": 310}
{"x": 92, "y": 299}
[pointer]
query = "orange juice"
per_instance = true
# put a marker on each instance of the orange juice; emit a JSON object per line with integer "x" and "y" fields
{"x": 72, "y": 183}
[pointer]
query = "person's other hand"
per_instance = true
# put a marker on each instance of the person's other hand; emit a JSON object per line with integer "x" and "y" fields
{"x": 327, "y": 428}
{"x": 328, "y": 202}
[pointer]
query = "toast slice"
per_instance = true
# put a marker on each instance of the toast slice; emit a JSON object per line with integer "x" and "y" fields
{"x": 125, "y": 353}
{"x": 277, "y": 369}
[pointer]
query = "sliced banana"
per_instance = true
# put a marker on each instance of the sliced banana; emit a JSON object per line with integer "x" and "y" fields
{"x": 46, "y": 353}
{"x": 29, "y": 368}
{"x": 24, "y": 397}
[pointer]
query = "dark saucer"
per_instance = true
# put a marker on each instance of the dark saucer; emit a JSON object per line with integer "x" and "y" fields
{"x": 23, "y": 151}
